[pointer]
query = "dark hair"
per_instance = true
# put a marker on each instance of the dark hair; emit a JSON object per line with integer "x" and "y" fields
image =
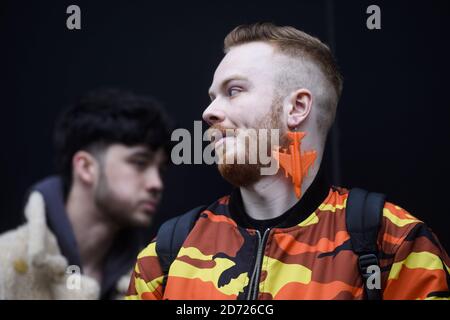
{"x": 106, "y": 116}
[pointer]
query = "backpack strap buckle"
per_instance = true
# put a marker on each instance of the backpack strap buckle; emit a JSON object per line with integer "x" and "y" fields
{"x": 365, "y": 261}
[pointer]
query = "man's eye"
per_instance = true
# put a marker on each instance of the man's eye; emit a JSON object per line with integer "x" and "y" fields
{"x": 233, "y": 91}
{"x": 140, "y": 164}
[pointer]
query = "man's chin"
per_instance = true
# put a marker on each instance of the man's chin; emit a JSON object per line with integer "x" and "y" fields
{"x": 240, "y": 175}
{"x": 141, "y": 219}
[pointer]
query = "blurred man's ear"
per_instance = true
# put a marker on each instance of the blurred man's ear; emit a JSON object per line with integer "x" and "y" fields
{"x": 299, "y": 107}
{"x": 85, "y": 167}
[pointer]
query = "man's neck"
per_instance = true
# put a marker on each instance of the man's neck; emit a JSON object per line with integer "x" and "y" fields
{"x": 273, "y": 195}
{"x": 94, "y": 233}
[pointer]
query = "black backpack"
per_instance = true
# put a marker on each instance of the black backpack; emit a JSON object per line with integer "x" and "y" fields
{"x": 363, "y": 219}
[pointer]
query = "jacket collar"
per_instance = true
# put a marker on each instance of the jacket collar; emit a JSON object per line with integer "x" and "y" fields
{"x": 124, "y": 249}
{"x": 57, "y": 219}
{"x": 308, "y": 203}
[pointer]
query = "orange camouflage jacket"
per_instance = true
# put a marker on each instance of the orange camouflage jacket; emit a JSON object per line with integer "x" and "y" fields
{"x": 307, "y": 256}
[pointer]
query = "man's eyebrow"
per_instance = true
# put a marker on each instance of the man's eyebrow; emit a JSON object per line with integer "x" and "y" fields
{"x": 141, "y": 153}
{"x": 226, "y": 81}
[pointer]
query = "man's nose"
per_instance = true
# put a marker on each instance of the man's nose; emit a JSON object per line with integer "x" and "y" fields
{"x": 153, "y": 181}
{"x": 213, "y": 115}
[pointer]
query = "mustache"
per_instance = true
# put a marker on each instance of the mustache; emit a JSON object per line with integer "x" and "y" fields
{"x": 216, "y": 132}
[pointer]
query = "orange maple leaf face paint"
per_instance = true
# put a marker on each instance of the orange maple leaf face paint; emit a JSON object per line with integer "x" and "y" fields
{"x": 294, "y": 163}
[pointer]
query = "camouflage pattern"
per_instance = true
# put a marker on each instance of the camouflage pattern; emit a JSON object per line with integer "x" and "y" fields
{"x": 310, "y": 260}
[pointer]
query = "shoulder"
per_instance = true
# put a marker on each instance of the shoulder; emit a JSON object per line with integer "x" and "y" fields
{"x": 416, "y": 264}
{"x": 189, "y": 217}
{"x": 410, "y": 239}
{"x": 147, "y": 264}
{"x": 397, "y": 225}
{"x": 148, "y": 251}
{"x": 396, "y": 222}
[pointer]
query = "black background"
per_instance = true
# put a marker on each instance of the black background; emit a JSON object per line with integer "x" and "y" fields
{"x": 392, "y": 129}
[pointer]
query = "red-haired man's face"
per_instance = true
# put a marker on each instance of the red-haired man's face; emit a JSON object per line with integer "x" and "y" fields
{"x": 243, "y": 97}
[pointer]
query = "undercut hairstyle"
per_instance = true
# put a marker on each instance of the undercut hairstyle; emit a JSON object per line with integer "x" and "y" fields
{"x": 104, "y": 117}
{"x": 308, "y": 64}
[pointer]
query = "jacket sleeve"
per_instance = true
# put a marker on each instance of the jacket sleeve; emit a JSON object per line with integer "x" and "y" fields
{"x": 147, "y": 277}
{"x": 420, "y": 265}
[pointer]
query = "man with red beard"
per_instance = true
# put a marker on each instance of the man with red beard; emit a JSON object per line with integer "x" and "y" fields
{"x": 262, "y": 241}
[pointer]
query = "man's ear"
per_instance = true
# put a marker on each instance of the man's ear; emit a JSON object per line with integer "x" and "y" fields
{"x": 85, "y": 167}
{"x": 300, "y": 103}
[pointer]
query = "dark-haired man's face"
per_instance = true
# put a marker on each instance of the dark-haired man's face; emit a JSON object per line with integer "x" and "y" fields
{"x": 129, "y": 185}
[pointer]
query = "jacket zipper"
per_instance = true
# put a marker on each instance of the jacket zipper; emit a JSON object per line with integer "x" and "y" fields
{"x": 254, "y": 283}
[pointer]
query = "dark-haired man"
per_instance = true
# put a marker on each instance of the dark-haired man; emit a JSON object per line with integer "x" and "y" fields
{"x": 84, "y": 226}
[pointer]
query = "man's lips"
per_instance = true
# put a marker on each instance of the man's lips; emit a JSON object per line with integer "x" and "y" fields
{"x": 218, "y": 136}
{"x": 149, "y": 206}
{"x": 221, "y": 141}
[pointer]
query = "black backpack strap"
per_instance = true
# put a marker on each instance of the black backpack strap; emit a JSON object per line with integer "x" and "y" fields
{"x": 171, "y": 236}
{"x": 363, "y": 219}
